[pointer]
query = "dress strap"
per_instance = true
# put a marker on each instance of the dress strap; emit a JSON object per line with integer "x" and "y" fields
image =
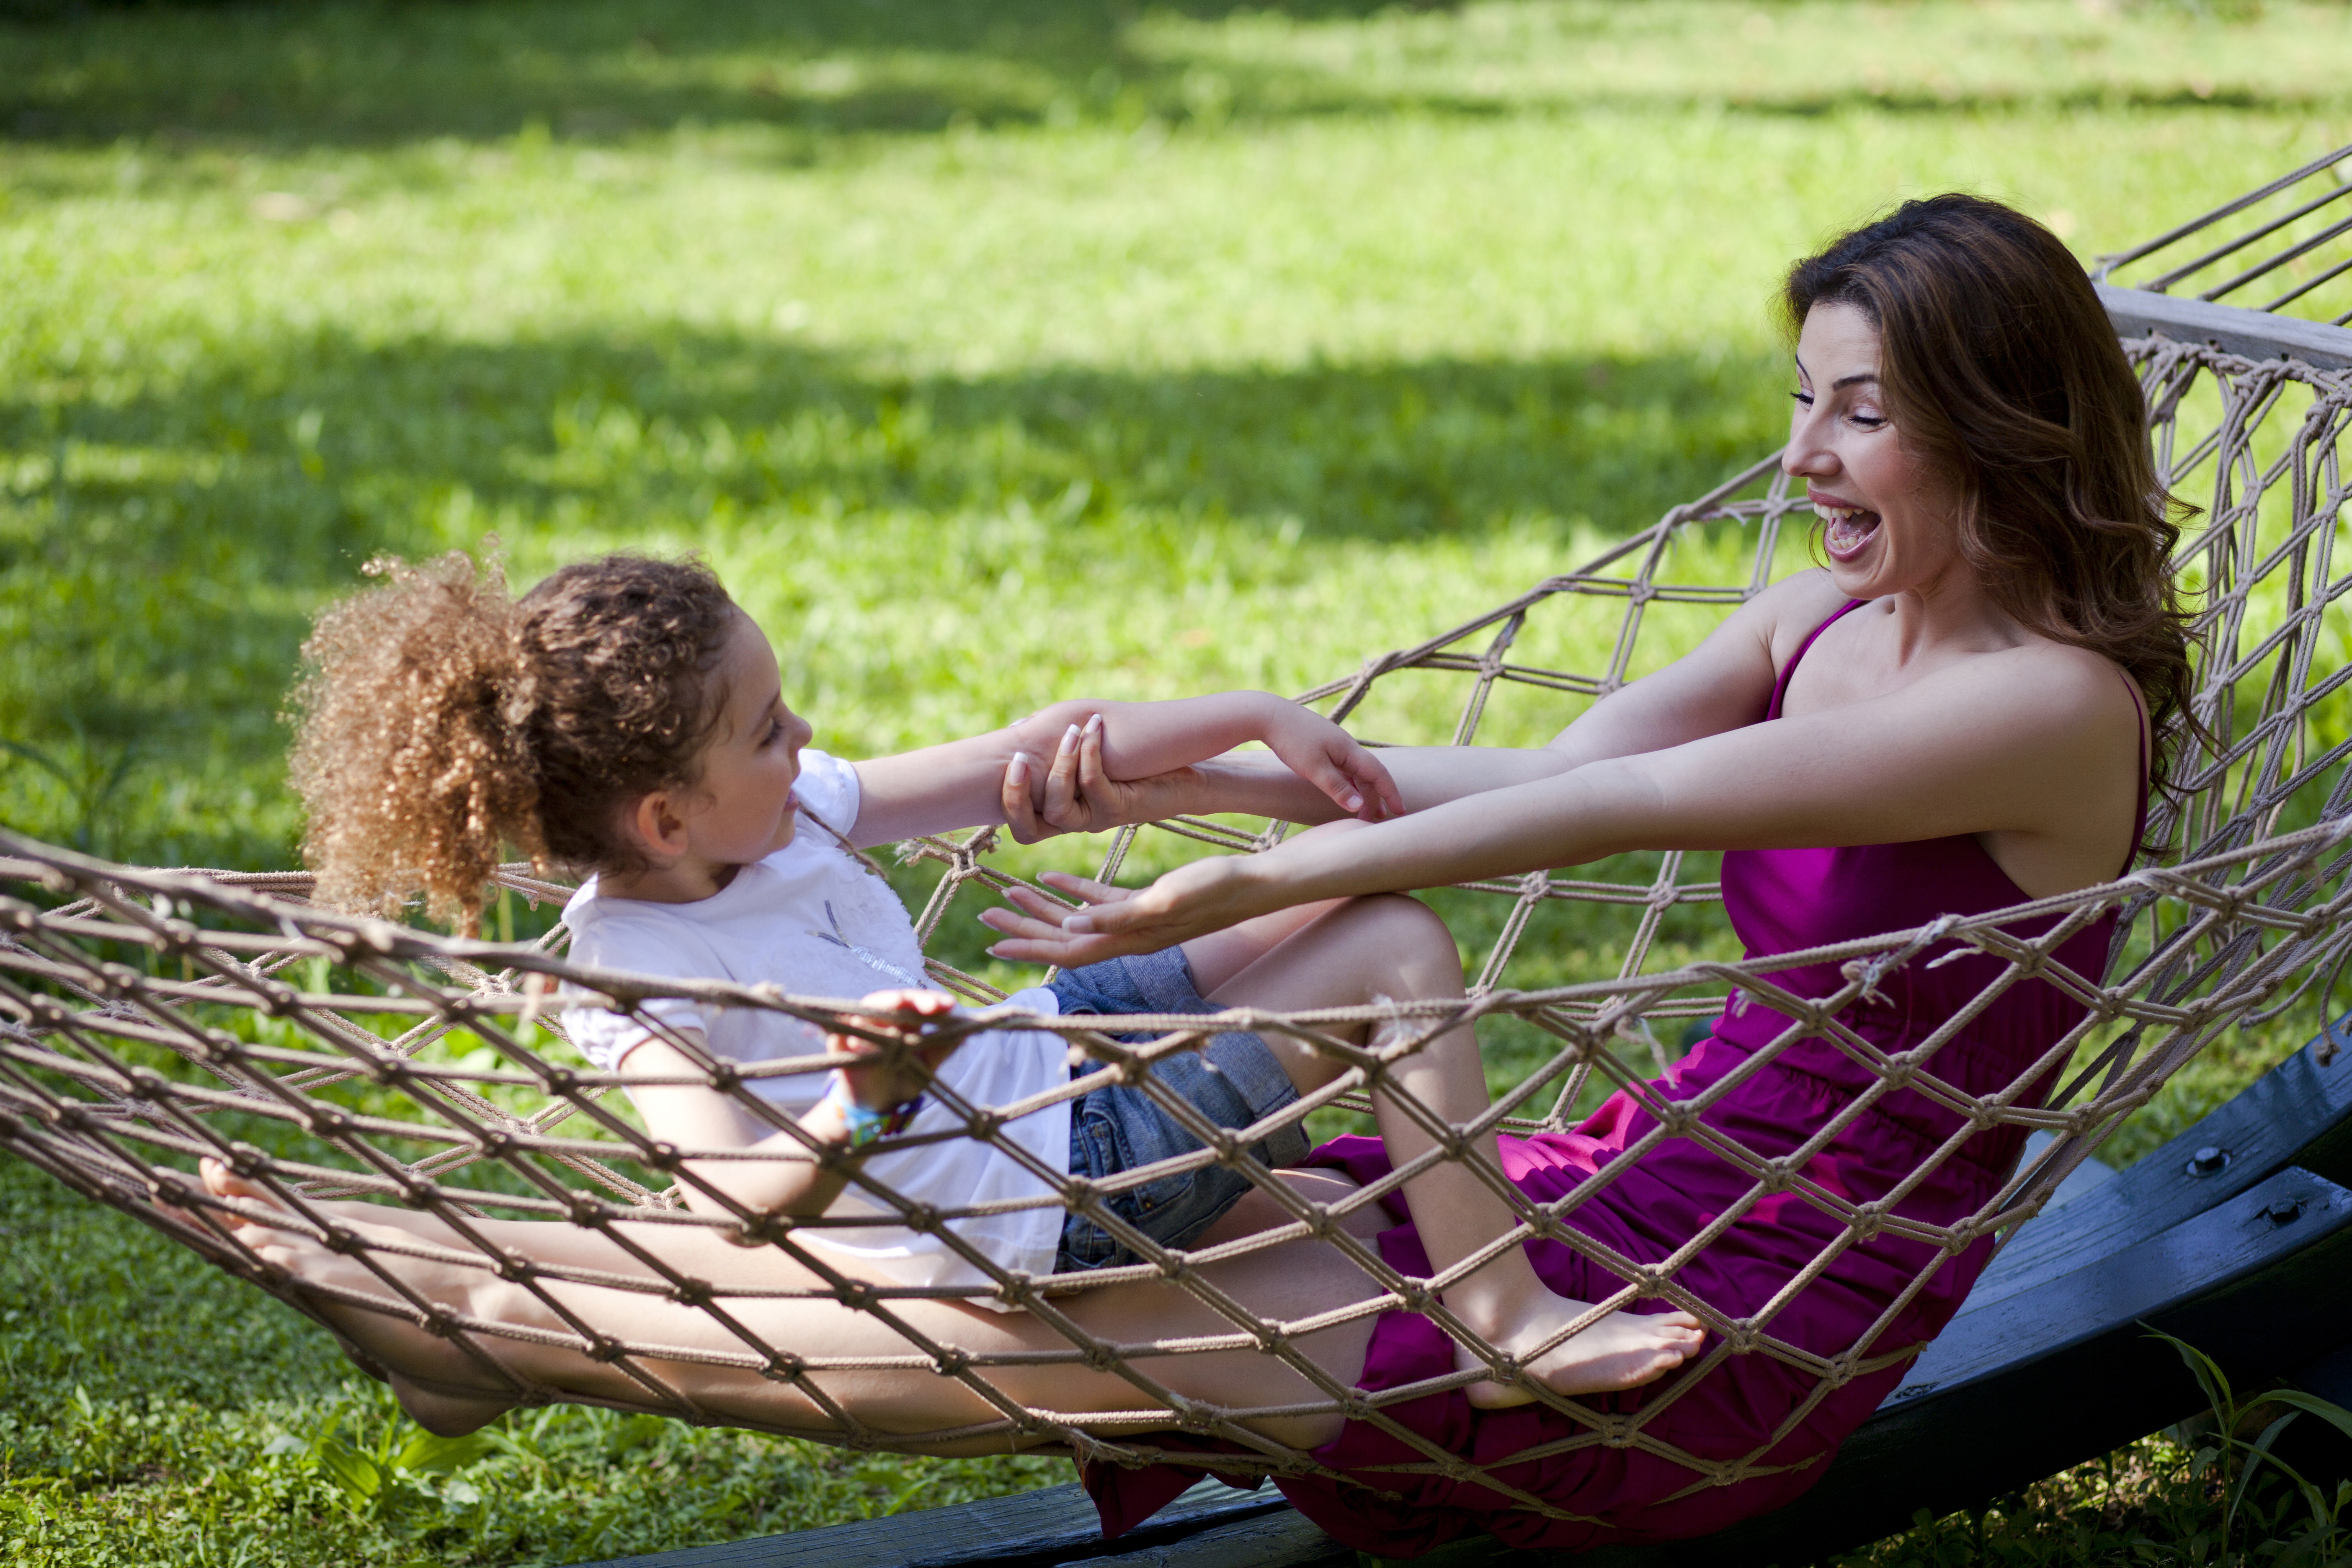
{"x": 1780, "y": 684}
{"x": 2139, "y": 817}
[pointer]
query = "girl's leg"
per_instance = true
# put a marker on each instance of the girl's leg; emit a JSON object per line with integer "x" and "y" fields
{"x": 449, "y": 1391}
{"x": 1392, "y": 947}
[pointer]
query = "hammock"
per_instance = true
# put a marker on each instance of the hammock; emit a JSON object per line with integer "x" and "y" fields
{"x": 150, "y": 1017}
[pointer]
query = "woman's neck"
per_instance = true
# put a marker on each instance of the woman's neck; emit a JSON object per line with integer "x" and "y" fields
{"x": 1951, "y": 614}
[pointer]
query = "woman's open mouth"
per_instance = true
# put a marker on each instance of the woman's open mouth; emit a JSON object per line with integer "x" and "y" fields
{"x": 1845, "y": 530}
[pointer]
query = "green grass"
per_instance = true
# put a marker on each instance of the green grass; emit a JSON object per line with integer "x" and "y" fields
{"x": 994, "y": 352}
{"x": 207, "y": 1427}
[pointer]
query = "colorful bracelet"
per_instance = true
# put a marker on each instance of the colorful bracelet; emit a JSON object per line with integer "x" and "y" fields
{"x": 866, "y": 1123}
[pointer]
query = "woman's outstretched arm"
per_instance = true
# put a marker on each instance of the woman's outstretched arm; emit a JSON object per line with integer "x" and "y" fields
{"x": 1723, "y": 684}
{"x": 2033, "y": 744}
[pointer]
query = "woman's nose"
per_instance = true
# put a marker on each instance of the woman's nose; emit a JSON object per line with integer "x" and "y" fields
{"x": 1806, "y": 455}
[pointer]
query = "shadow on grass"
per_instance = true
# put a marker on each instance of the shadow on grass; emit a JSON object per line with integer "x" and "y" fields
{"x": 349, "y": 72}
{"x": 370, "y": 74}
{"x": 169, "y": 576}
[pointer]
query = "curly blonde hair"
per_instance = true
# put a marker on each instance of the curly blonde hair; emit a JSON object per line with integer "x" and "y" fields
{"x": 440, "y": 720}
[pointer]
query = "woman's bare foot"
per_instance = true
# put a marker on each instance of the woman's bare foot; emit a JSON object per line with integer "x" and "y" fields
{"x": 1624, "y": 1350}
{"x": 440, "y": 1385}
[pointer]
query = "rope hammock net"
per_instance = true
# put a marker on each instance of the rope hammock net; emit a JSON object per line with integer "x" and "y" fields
{"x": 148, "y": 1018}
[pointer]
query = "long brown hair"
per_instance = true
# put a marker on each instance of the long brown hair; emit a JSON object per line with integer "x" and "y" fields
{"x": 2003, "y": 374}
{"x": 440, "y": 720}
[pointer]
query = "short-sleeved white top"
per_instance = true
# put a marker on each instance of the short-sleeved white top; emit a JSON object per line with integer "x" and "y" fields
{"x": 812, "y": 921}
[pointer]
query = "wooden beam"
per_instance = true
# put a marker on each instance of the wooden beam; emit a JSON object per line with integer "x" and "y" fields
{"x": 2065, "y": 1371}
{"x": 1027, "y": 1530}
{"x": 2298, "y": 1113}
{"x": 2257, "y": 334}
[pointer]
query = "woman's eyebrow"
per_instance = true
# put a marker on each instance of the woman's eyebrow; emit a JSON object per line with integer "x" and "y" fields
{"x": 1855, "y": 380}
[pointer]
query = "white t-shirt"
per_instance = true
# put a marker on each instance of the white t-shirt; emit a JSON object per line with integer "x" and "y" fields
{"x": 812, "y": 920}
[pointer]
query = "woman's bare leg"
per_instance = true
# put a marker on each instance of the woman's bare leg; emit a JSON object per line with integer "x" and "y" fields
{"x": 622, "y": 1248}
{"x": 1393, "y": 947}
{"x": 449, "y": 1391}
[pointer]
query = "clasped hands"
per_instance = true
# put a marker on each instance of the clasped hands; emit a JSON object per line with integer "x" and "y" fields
{"x": 1078, "y": 795}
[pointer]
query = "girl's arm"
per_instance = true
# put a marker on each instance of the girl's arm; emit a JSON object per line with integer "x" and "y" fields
{"x": 961, "y": 784}
{"x": 789, "y": 1180}
{"x": 1957, "y": 752}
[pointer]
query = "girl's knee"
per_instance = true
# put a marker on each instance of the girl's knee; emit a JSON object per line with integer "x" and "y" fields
{"x": 1413, "y": 942}
{"x": 1402, "y": 919}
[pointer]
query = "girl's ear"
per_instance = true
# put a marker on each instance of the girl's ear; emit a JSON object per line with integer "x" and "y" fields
{"x": 653, "y": 821}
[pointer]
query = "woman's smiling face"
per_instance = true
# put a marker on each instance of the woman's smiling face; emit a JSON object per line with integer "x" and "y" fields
{"x": 1889, "y": 526}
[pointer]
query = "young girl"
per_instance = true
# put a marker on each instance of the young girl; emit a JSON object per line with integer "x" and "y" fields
{"x": 626, "y": 719}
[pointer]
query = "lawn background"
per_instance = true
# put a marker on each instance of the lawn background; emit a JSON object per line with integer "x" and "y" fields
{"x": 993, "y": 354}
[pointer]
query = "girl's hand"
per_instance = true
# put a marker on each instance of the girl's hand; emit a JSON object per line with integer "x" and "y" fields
{"x": 1191, "y": 901}
{"x": 1330, "y": 759}
{"x": 895, "y": 1077}
{"x": 1081, "y": 798}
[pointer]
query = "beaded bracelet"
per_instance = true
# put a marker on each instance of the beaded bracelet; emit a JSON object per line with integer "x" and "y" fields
{"x": 866, "y": 1123}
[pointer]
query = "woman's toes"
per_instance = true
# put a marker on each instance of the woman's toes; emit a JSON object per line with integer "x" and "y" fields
{"x": 223, "y": 1182}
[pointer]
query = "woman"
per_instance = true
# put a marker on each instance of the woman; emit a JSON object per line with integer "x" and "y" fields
{"x": 1952, "y": 716}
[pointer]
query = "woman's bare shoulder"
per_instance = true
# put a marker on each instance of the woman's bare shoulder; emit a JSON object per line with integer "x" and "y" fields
{"x": 2053, "y": 688}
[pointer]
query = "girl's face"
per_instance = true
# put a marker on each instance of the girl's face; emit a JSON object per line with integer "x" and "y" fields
{"x": 741, "y": 809}
{"x": 1889, "y": 526}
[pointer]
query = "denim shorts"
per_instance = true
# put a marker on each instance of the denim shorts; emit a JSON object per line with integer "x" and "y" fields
{"x": 1234, "y": 1080}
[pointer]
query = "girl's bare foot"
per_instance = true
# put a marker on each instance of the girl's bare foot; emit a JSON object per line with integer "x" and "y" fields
{"x": 439, "y": 1385}
{"x": 1624, "y": 1350}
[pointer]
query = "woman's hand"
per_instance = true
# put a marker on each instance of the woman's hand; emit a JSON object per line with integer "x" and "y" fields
{"x": 1191, "y": 901}
{"x": 1080, "y": 796}
{"x": 895, "y": 1077}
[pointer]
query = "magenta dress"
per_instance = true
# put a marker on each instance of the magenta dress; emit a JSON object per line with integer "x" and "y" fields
{"x": 1778, "y": 900}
